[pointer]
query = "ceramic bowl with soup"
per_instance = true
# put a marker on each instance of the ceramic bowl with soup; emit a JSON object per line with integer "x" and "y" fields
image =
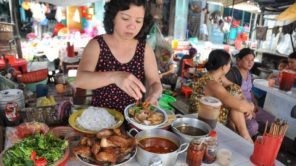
{"x": 189, "y": 128}
{"x": 164, "y": 145}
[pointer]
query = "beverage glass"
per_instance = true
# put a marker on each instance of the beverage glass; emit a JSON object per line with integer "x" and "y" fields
{"x": 209, "y": 110}
{"x": 286, "y": 80}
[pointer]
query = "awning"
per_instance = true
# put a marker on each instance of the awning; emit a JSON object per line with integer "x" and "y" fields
{"x": 69, "y": 2}
{"x": 247, "y": 6}
{"x": 289, "y": 14}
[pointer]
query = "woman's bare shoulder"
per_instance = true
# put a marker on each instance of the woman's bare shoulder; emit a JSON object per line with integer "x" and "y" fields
{"x": 214, "y": 87}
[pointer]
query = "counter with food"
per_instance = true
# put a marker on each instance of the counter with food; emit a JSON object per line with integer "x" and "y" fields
{"x": 118, "y": 147}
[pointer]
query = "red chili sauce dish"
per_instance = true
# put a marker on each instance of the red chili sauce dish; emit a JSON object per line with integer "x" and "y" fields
{"x": 158, "y": 145}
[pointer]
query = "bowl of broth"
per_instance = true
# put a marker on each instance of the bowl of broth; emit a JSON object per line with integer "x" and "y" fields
{"x": 190, "y": 128}
{"x": 163, "y": 144}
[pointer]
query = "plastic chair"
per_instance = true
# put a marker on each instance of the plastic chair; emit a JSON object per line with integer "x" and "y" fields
{"x": 186, "y": 90}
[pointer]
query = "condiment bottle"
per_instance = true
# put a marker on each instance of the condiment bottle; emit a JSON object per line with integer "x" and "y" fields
{"x": 11, "y": 114}
{"x": 195, "y": 152}
{"x": 211, "y": 150}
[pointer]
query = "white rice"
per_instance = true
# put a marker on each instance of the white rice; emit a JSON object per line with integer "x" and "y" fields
{"x": 95, "y": 119}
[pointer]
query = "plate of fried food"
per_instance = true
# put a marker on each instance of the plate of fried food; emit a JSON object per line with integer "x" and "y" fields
{"x": 93, "y": 119}
{"x": 145, "y": 116}
{"x": 109, "y": 147}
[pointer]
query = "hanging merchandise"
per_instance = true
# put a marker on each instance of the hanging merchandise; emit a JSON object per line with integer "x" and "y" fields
{"x": 275, "y": 30}
{"x": 26, "y": 5}
{"x": 38, "y": 13}
{"x": 235, "y": 24}
{"x": 261, "y": 33}
{"x": 233, "y": 33}
{"x": 288, "y": 29}
{"x": 284, "y": 46}
{"x": 74, "y": 18}
{"x": 57, "y": 28}
{"x": 44, "y": 22}
{"x": 60, "y": 14}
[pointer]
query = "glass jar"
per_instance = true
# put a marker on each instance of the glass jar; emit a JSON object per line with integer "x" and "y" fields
{"x": 11, "y": 114}
{"x": 211, "y": 150}
{"x": 195, "y": 152}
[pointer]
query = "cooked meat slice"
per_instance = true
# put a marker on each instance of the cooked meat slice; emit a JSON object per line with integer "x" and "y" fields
{"x": 95, "y": 148}
{"x": 106, "y": 156}
{"x": 104, "y": 133}
{"x": 82, "y": 150}
{"x": 118, "y": 141}
{"x": 117, "y": 131}
{"x": 83, "y": 141}
{"x": 106, "y": 143}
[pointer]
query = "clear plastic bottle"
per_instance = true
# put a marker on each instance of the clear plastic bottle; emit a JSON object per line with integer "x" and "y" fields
{"x": 211, "y": 150}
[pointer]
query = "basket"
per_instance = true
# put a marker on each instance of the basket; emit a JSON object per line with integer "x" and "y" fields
{"x": 34, "y": 76}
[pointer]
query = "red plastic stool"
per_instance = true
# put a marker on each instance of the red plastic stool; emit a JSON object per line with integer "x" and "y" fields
{"x": 186, "y": 90}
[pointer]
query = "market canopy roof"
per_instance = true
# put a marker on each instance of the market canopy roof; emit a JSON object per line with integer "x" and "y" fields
{"x": 289, "y": 14}
{"x": 69, "y": 2}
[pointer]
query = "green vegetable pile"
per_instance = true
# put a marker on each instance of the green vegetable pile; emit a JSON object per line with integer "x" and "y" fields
{"x": 47, "y": 146}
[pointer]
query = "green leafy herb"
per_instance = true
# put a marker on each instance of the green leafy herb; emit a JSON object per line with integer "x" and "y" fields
{"x": 47, "y": 146}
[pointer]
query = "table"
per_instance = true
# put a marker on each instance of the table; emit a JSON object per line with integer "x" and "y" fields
{"x": 280, "y": 104}
{"x": 240, "y": 148}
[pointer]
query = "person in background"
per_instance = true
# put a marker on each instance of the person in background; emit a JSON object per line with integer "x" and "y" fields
{"x": 192, "y": 53}
{"x": 292, "y": 61}
{"x": 240, "y": 75}
{"x": 166, "y": 66}
{"x": 115, "y": 65}
{"x": 283, "y": 65}
{"x": 235, "y": 107}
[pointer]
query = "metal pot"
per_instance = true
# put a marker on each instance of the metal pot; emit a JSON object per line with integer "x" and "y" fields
{"x": 193, "y": 122}
{"x": 167, "y": 159}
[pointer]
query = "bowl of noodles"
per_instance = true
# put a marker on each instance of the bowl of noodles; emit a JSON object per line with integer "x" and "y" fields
{"x": 93, "y": 119}
{"x": 145, "y": 116}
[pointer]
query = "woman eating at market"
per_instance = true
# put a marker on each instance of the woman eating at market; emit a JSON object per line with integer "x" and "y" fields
{"x": 117, "y": 64}
{"x": 240, "y": 75}
{"x": 235, "y": 107}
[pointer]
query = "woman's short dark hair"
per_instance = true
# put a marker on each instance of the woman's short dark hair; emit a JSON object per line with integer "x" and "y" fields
{"x": 243, "y": 52}
{"x": 217, "y": 59}
{"x": 292, "y": 55}
{"x": 114, "y": 6}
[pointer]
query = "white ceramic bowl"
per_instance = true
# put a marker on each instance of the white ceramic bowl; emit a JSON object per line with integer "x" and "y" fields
{"x": 143, "y": 126}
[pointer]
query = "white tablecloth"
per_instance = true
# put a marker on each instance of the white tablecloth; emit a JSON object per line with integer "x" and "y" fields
{"x": 280, "y": 104}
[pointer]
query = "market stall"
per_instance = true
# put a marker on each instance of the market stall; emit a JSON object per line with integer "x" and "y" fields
{"x": 45, "y": 120}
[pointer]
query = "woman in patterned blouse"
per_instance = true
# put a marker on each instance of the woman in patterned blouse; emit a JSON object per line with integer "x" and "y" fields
{"x": 117, "y": 65}
{"x": 235, "y": 107}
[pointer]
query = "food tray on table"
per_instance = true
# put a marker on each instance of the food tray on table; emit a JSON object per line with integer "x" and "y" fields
{"x": 73, "y": 119}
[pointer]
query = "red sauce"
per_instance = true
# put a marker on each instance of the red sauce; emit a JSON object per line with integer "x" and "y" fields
{"x": 158, "y": 145}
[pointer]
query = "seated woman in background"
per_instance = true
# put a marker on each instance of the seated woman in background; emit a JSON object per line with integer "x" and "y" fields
{"x": 166, "y": 68}
{"x": 240, "y": 75}
{"x": 191, "y": 55}
{"x": 235, "y": 107}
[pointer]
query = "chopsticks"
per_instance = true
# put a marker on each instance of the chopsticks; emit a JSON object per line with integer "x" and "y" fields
{"x": 277, "y": 128}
